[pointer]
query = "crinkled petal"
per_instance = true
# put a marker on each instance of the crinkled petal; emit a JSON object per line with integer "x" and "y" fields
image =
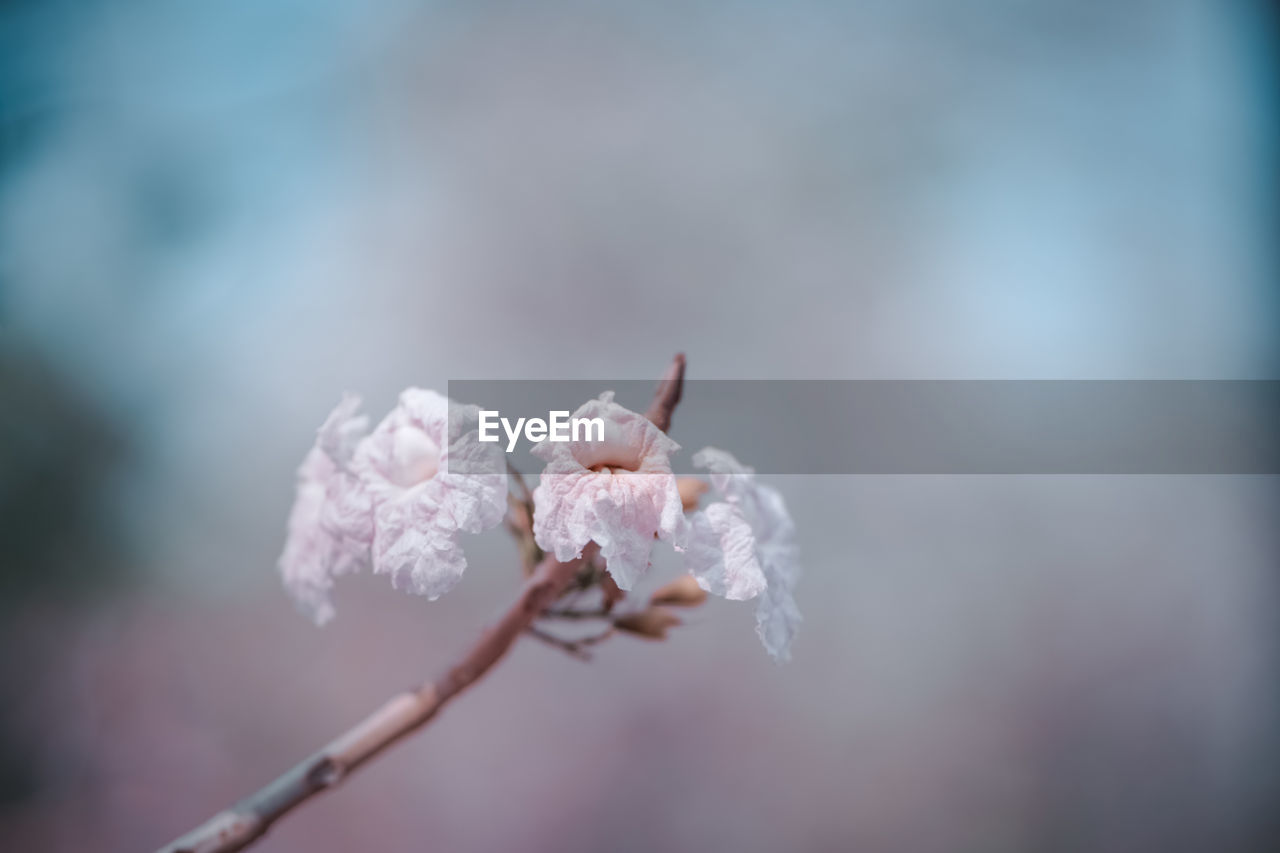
{"x": 306, "y": 562}
{"x": 419, "y": 506}
{"x": 777, "y": 616}
{"x": 343, "y": 430}
{"x": 619, "y": 492}
{"x": 722, "y": 553}
{"x": 316, "y": 550}
{"x": 772, "y": 530}
{"x": 387, "y": 498}
{"x": 778, "y": 621}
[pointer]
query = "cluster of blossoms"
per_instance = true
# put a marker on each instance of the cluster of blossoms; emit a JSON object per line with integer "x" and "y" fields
{"x": 396, "y": 498}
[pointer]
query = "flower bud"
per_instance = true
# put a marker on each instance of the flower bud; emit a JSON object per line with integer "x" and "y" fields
{"x": 651, "y": 623}
{"x": 681, "y": 592}
{"x": 690, "y": 489}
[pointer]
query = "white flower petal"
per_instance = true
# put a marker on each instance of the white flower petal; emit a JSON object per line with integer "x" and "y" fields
{"x": 722, "y": 553}
{"x": 772, "y": 542}
{"x": 388, "y": 499}
{"x": 619, "y": 493}
{"x": 419, "y": 506}
{"x": 343, "y": 430}
{"x": 316, "y": 550}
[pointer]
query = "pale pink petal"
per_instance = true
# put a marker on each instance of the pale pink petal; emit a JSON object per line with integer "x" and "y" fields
{"x": 315, "y": 550}
{"x": 386, "y": 499}
{"x": 619, "y": 493}
{"x": 343, "y": 430}
{"x": 418, "y": 505}
{"x": 722, "y": 553}
{"x": 773, "y": 535}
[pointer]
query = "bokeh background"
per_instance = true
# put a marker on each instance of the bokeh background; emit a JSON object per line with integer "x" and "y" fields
{"x": 215, "y": 217}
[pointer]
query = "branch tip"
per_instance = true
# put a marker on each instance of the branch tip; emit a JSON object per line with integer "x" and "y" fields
{"x": 668, "y": 394}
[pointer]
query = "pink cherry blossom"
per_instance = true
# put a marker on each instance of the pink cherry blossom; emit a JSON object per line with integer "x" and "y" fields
{"x": 619, "y": 492}
{"x": 745, "y": 546}
{"x": 316, "y": 550}
{"x": 388, "y": 499}
{"x": 418, "y": 505}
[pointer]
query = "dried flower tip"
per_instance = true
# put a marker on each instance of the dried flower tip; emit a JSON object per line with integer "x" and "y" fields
{"x": 681, "y": 592}
{"x": 691, "y": 489}
{"x": 651, "y": 623}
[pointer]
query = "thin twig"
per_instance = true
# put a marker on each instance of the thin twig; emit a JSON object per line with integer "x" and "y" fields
{"x": 566, "y": 646}
{"x": 520, "y": 521}
{"x": 668, "y": 394}
{"x": 247, "y": 821}
{"x": 577, "y": 648}
{"x": 574, "y": 615}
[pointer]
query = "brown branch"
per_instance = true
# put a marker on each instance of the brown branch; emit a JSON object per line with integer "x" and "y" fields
{"x": 526, "y": 495}
{"x": 520, "y": 521}
{"x": 575, "y": 615}
{"x": 579, "y": 648}
{"x": 245, "y": 822}
{"x": 668, "y": 394}
{"x": 248, "y": 820}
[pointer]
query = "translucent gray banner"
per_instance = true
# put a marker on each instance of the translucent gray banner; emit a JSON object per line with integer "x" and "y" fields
{"x": 935, "y": 427}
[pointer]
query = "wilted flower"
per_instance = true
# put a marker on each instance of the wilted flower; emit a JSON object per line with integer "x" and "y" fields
{"x": 395, "y": 499}
{"x": 745, "y": 546}
{"x": 418, "y": 505}
{"x": 619, "y": 493}
{"x": 316, "y": 551}
{"x": 388, "y": 499}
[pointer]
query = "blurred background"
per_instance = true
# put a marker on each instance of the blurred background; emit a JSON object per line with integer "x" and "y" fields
{"x": 215, "y": 217}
